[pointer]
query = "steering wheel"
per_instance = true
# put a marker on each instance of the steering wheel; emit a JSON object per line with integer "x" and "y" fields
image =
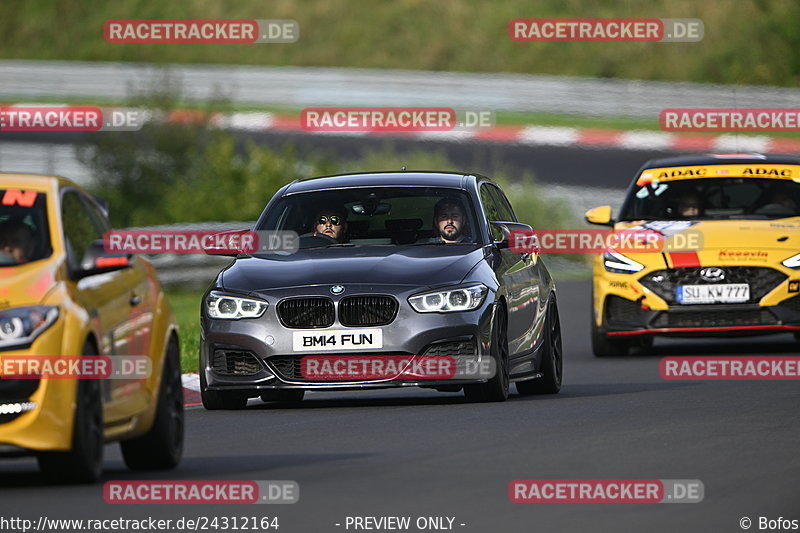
{"x": 311, "y": 240}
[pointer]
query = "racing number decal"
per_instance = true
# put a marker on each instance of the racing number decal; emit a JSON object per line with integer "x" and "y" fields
{"x": 18, "y": 197}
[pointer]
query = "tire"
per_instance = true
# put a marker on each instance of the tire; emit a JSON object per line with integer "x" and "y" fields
{"x": 552, "y": 359}
{"x": 161, "y": 448}
{"x": 83, "y": 463}
{"x": 602, "y": 346}
{"x": 289, "y": 396}
{"x": 496, "y": 389}
{"x": 216, "y": 400}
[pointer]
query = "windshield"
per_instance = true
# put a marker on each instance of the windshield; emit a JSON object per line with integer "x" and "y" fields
{"x": 713, "y": 198}
{"x": 377, "y": 216}
{"x": 24, "y": 235}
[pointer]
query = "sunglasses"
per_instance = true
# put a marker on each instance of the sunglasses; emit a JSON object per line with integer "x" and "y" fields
{"x": 335, "y": 220}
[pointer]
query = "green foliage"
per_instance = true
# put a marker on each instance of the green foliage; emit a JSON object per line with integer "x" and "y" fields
{"x": 746, "y": 41}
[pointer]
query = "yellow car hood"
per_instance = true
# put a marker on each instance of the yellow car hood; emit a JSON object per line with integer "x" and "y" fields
{"x": 25, "y": 284}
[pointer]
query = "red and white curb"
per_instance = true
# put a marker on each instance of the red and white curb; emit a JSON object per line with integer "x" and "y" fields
{"x": 525, "y": 135}
{"x": 191, "y": 389}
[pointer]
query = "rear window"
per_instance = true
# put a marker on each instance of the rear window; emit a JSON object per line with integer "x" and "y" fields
{"x": 24, "y": 231}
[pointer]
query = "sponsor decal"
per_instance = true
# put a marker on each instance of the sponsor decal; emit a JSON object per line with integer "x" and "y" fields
{"x": 743, "y": 255}
{"x": 794, "y": 286}
{"x": 618, "y": 284}
{"x": 707, "y": 171}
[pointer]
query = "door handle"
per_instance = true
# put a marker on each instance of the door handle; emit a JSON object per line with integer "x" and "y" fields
{"x": 135, "y": 300}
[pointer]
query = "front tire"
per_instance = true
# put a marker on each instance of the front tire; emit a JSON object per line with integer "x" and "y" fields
{"x": 496, "y": 389}
{"x": 552, "y": 359}
{"x": 161, "y": 448}
{"x": 602, "y": 346}
{"x": 83, "y": 463}
{"x": 218, "y": 400}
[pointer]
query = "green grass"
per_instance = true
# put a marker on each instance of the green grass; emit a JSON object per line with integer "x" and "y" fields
{"x": 186, "y": 306}
{"x": 745, "y": 41}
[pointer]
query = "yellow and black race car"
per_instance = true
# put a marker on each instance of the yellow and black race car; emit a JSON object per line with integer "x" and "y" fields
{"x": 62, "y": 294}
{"x": 734, "y": 264}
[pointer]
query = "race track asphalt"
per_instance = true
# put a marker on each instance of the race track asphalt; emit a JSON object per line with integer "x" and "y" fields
{"x": 418, "y": 453}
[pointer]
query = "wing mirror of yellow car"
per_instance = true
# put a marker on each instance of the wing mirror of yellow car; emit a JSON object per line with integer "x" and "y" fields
{"x": 96, "y": 260}
{"x": 600, "y": 216}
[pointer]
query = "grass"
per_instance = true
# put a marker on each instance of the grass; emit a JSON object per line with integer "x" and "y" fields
{"x": 745, "y": 41}
{"x": 186, "y": 306}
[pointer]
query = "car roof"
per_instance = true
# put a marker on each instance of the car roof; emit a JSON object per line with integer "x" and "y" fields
{"x": 722, "y": 159}
{"x": 35, "y": 181}
{"x": 383, "y": 179}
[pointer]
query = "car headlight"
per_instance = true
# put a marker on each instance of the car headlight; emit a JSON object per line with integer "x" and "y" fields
{"x": 233, "y": 307}
{"x": 792, "y": 262}
{"x": 449, "y": 301}
{"x": 619, "y": 264}
{"x": 21, "y": 325}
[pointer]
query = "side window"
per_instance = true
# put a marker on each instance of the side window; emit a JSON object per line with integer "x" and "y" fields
{"x": 79, "y": 231}
{"x": 506, "y": 211}
{"x": 99, "y": 220}
{"x": 492, "y": 211}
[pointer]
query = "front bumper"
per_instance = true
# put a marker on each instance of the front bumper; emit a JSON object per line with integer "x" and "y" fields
{"x": 48, "y": 425}
{"x": 263, "y": 357}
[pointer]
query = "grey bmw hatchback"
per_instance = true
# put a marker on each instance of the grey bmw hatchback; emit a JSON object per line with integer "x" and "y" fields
{"x": 397, "y": 279}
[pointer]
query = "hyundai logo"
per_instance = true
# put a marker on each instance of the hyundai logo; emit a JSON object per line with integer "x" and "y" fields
{"x": 712, "y": 274}
{"x": 337, "y": 289}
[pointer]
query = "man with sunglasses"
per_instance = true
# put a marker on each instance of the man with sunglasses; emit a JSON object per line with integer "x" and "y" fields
{"x": 331, "y": 222}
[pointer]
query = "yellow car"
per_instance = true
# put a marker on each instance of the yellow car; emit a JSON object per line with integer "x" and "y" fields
{"x": 729, "y": 228}
{"x": 62, "y": 294}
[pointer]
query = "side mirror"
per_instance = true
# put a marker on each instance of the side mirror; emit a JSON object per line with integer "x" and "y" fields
{"x": 97, "y": 260}
{"x": 506, "y": 228}
{"x": 600, "y": 216}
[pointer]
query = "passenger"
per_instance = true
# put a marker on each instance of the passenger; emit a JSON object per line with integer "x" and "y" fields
{"x": 16, "y": 241}
{"x": 449, "y": 221}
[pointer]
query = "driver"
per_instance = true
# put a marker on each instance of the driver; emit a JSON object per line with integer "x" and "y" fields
{"x": 689, "y": 205}
{"x": 449, "y": 221}
{"x": 16, "y": 241}
{"x": 331, "y": 222}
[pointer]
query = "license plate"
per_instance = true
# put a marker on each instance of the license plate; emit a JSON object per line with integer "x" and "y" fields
{"x": 727, "y": 293}
{"x": 337, "y": 339}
